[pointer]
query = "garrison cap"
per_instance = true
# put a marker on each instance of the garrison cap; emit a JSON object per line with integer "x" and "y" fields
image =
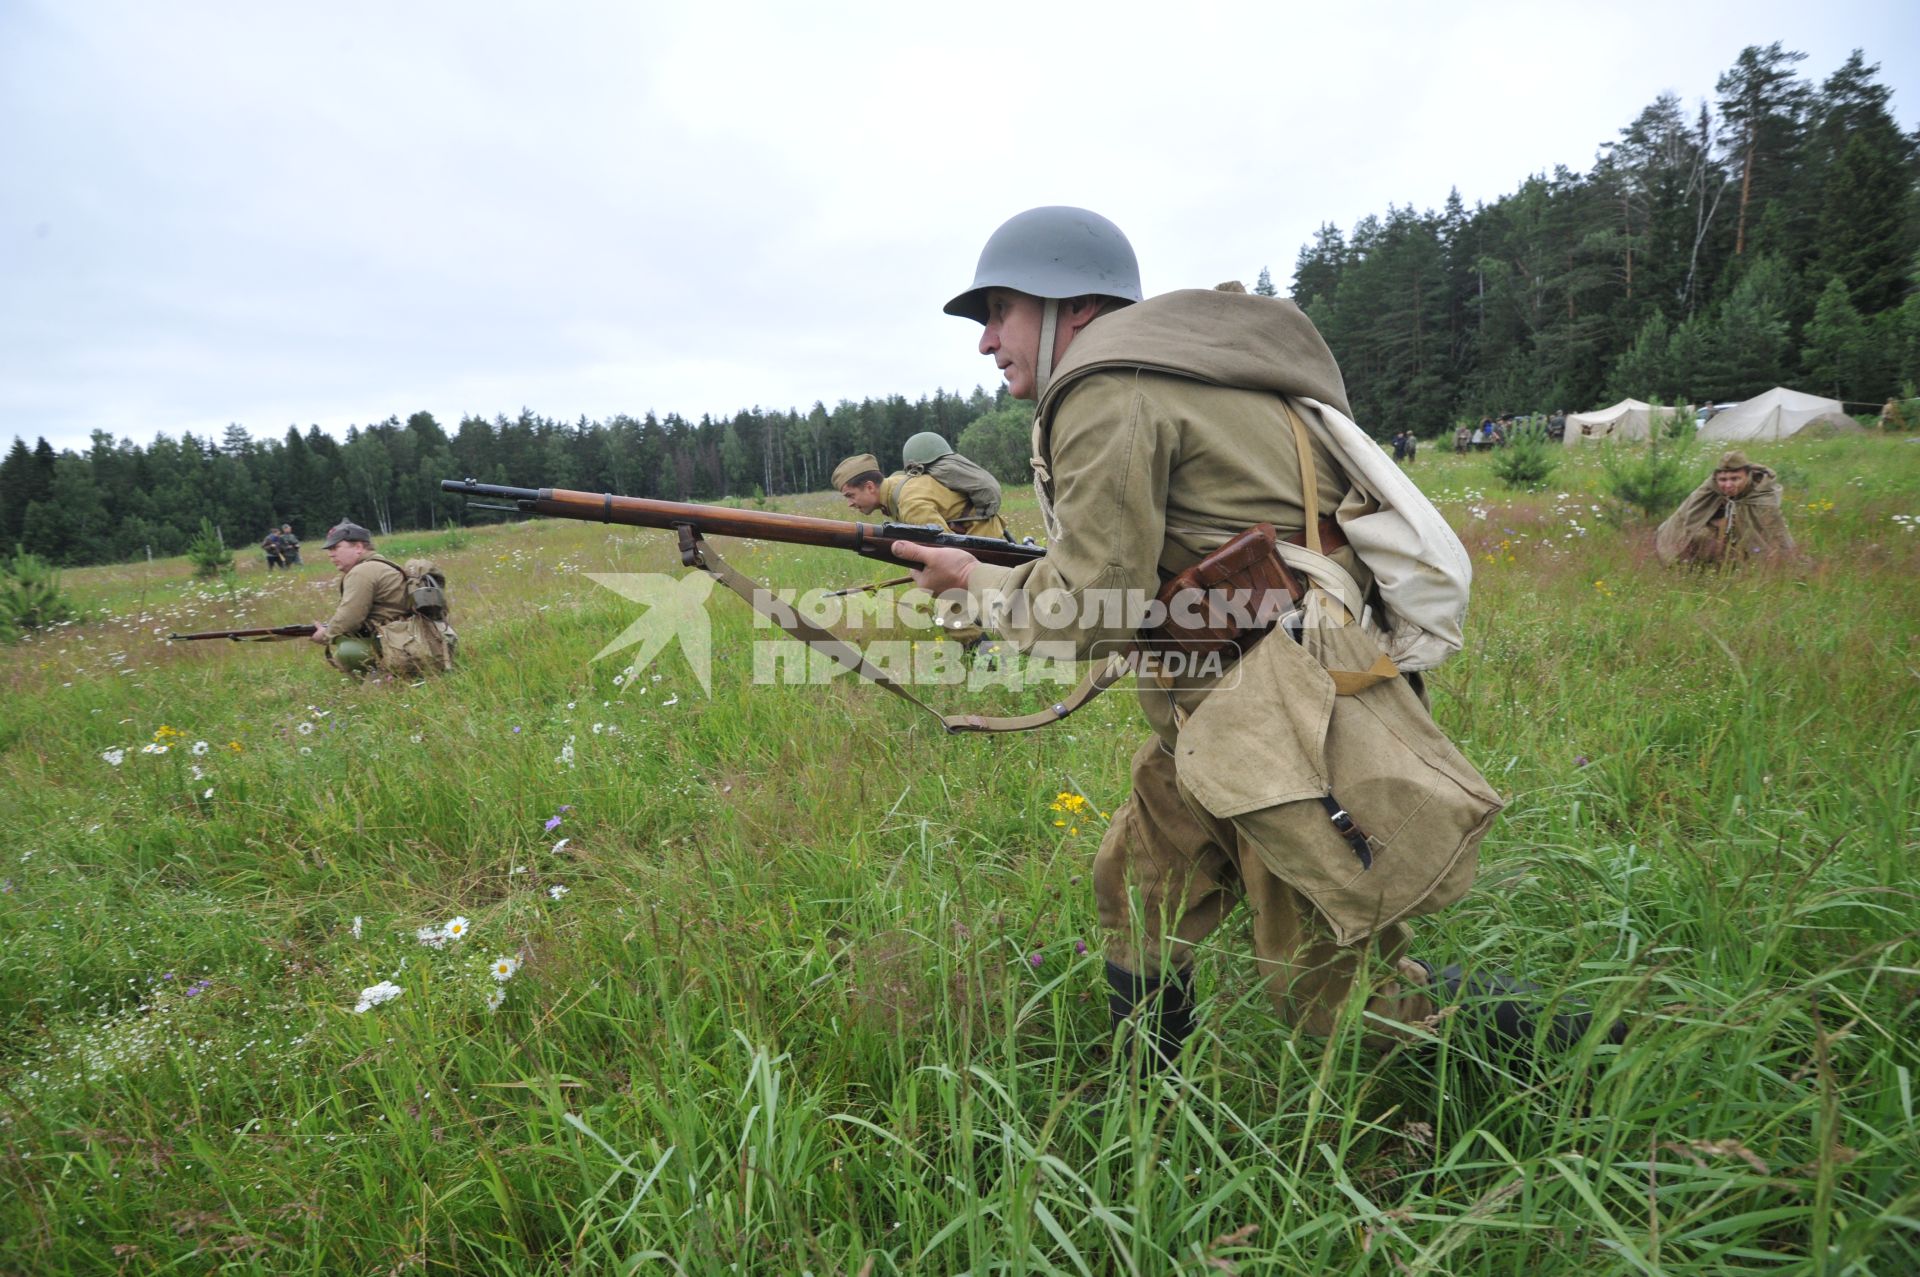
{"x": 1735, "y": 460}
{"x": 347, "y": 530}
{"x": 852, "y": 468}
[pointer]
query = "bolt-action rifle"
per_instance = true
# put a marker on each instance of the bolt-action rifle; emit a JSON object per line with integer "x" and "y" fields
{"x": 695, "y": 521}
{"x": 271, "y": 635}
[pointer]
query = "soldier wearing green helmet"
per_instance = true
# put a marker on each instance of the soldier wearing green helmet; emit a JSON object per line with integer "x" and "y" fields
{"x": 935, "y": 485}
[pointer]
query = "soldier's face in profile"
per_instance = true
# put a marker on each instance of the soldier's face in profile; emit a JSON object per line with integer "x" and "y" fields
{"x": 1012, "y": 338}
{"x": 1731, "y": 483}
{"x": 864, "y": 497}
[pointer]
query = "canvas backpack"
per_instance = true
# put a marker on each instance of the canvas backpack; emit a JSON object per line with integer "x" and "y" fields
{"x": 970, "y": 479}
{"x": 422, "y": 641}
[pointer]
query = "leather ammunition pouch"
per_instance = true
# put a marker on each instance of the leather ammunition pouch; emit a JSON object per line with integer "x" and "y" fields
{"x": 1233, "y": 596}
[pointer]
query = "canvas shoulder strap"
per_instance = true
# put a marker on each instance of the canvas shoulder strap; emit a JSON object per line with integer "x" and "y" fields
{"x": 697, "y": 552}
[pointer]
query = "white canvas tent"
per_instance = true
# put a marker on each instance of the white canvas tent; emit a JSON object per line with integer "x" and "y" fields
{"x": 1776, "y": 415}
{"x": 1628, "y": 419}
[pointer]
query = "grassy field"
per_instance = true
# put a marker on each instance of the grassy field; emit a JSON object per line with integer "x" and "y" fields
{"x": 793, "y": 983}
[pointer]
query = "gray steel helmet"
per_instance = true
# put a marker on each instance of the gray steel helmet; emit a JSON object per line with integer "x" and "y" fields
{"x": 354, "y": 654}
{"x": 1055, "y": 252}
{"x": 924, "y": 449}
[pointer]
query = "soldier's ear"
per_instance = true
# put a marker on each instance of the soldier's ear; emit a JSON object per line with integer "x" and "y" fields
{"x": 1076, "y": 313}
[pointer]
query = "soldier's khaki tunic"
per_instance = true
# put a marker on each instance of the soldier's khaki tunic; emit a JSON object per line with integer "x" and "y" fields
{"x": 372, "y": 593}
{"x": 1165, "y": 433}
{"x": 921, "y": 498}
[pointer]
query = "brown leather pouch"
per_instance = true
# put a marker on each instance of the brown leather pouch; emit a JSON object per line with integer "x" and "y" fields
{"x": 1231, "y": 597}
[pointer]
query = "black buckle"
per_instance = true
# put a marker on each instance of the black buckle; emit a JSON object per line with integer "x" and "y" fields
{"x": 689, "y": 545}
{"x": 1344, "y": 825}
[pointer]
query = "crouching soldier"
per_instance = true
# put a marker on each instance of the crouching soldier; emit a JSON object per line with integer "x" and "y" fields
{"x": 1733, "y": 516}
{"x": 935, "y": 486}
{"x": 373, "y": 593}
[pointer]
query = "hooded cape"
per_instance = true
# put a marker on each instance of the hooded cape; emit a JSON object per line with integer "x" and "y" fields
{"x": 1755, "y": 524}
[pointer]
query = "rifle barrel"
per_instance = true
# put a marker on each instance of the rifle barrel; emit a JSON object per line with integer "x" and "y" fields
{"x": 875, "y": 542}
{"x": 272, "y": 632}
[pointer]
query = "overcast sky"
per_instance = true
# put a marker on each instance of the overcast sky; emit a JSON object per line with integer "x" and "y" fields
{"x": 279, "y": 214}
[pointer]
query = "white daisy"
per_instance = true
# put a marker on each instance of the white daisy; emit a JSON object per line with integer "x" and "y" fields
{"x": 556, "y": 891}
{"x": 200, "y": 747}
{"x": 503, "y": 968}
{"x": 456, "y": 929}
{"x": 306, "y": 729}
{"x": 373, "y": 995}
{"x": 494, "y": 998}
{"x": 114, "y": 757}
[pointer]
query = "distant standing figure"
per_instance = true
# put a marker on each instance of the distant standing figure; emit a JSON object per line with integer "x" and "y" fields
{"x": 1400, "y": 446}
{"x": 276, "y": 552}
{"x": 1732, "y": 517}
{"x": 289, "y": 546}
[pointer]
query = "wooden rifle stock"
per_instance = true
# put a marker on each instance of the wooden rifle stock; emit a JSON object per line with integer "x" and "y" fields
{"x": 870, "y": 540}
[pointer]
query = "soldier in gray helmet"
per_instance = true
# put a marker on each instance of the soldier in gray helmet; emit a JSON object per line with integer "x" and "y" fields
{"x": 373, "y": 591}
{"x": 1165, "y": 428}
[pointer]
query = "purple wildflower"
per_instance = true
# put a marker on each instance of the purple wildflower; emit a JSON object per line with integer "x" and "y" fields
{"x": 1080, "y": 946}
{"x": 566, "y": 807}
{"x": 1033, "y": 959}
{"x": 198, "y": 987}
{"x": 516, "y": 731}
{"x": 167, "y": 975}
{"x": 553, "y": 823}
{"x": 1581, "y": 760}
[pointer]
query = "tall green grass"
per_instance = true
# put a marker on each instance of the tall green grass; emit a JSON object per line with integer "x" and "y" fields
{"x": 822, "y": 990}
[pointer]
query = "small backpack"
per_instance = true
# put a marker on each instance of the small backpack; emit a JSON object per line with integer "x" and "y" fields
{"x": 426, "y": 588}
{"x": 969, "y": 479}
{"x": 420, "y": 642}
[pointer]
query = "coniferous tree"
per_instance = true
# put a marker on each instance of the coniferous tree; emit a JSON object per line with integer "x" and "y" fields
{"x": 1834, "y": 347}
{"x": 1763, "y": 105}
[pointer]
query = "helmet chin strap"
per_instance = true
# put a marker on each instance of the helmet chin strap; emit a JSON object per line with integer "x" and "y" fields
{"x": 1043, "y": 366}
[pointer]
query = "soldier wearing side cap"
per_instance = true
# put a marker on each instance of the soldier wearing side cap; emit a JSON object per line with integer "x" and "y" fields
{"x": 373, "y": 592}
{"x": 935, "y": 485}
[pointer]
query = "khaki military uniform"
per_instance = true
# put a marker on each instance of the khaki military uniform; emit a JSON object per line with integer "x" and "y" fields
{"x": 372, "y": 593}
{"x": 921, "y": 498}
{"x": 1164, "y": 433}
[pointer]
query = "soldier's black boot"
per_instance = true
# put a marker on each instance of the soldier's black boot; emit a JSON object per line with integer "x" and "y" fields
{"x": 1511, "y": 1008}
{"x": 1156, "y": 1012}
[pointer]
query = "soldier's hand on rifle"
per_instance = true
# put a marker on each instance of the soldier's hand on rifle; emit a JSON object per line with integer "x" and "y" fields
{"x": 320, "y": 632}
{"x": 945, "y": 569}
